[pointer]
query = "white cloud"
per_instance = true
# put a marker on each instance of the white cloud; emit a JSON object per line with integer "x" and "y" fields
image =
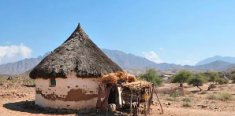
{"x": 152, "y": 56}
{"x": 12, "y": 53}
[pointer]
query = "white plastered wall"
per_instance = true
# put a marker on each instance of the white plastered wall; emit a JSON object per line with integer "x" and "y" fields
{"x": 63, "y": 86}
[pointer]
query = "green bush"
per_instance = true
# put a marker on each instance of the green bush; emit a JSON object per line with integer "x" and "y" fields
{"x": 152, "y": 76}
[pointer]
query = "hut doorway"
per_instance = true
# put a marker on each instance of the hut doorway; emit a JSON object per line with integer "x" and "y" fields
{"x": 112, "y": 95}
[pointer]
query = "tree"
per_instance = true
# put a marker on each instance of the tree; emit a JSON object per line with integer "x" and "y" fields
{"x": 232, "y": 76}
{"x": 221, "y": 81}
{"x": 152, "y": 76}
{"x": 197, "y": 80}
{"x": 212, "y": 77}
{"x": 182, "y": 77}
{"x": 215, "y": 78}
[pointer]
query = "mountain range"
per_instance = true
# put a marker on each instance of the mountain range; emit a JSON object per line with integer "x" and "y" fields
{"x": 217, "y": 65}
{"x": 130, "y": 62}
{"x": 227, "y": 59}
{"x": 20, "y": 66}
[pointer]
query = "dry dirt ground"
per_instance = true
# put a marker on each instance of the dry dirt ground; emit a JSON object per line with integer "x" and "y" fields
{"x": 196, "y": 103}
{"x": 15, "y": 100}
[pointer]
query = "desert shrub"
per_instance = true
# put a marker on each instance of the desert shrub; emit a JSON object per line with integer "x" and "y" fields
{"x": 223, "y": 96}
{"x": 152, "y": 76}
{"x": 15, "y": 80}
{"x": 2, "y": 80}
{"x": 212, "y": 97}
{"x": 186, "y": 104}
{"x": 186, "y": 100}
{"x": 232, "y": 76}
{"x": 221, "y": 81}
{"x": 182, "y": 77}
{"x": 175, "y": 94}
{"x": 215, "y": 78}
{"x": 28, "y": 82}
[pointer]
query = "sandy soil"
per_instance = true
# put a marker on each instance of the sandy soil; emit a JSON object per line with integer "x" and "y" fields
{"x": 13, "y": 102}
{"x": 13, "y": 97}
{"x": 200, "y": 104}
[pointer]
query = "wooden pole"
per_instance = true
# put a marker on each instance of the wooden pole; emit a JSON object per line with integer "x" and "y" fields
{"x": 138, "y": 102}
{"x": 158, "y": 100}
{"x": 146, "y": 103}
{"x": 131, "y": 103}
{"x": 150, "y": 99}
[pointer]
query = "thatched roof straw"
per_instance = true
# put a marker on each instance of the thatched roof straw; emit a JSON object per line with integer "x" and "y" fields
{"x": 77, "y": 54}
{"x": 118, "y": 77}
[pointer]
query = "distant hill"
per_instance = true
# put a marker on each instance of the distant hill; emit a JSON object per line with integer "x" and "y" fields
{"x": 217, "y": 65}
{"x": 217, "y": 58}
{"x": 129, "y": 62}
{"x": 126, "y": 61}
{"x": 20, "y": 66}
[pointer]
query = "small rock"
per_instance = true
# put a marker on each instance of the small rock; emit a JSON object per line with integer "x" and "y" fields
{"x": 168, "y": 103}
{"x": 155, "y": 103}
{"x": 202, "y": 106}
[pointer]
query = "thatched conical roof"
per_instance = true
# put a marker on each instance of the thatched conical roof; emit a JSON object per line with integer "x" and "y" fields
{"x": 77, "y": 54}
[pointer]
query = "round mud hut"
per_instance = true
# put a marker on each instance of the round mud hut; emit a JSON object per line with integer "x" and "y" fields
{"x": 69, "y": 77}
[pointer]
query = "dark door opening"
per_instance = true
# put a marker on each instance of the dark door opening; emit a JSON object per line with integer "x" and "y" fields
{"x": 112, "y": 95}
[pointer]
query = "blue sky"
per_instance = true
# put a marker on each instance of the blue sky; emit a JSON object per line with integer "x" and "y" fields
{"x": 173, "y": 31}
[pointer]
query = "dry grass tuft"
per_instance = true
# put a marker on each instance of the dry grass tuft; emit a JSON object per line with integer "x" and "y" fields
{"x": 186, "y": 104}
{"x": 223, "y": 96}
